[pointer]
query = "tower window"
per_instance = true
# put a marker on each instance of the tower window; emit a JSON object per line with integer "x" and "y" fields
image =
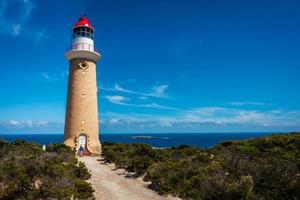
{"x": 83, "y": 32}
{"x": 82, "y": 95}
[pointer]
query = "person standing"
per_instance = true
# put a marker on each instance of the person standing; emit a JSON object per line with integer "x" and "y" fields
{"x": 80, "y": 150}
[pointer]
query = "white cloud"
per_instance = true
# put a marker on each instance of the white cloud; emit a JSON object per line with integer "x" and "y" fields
{"x": 40, "y": 35}
{"x": 46, "y": 76}
{"x": 165, "y": 124}
{"x": 155, "y": 105}
{"x": 157, "y": 91}
{"x": 116, "y": 99}
{"x": 121, "y": 100}
{"x": 120, "y": 89}
{"x": 113, "y": 121}
{"x": 160, "y": 90}
{"x": 29, "y": 123}
{"x": 195, "y": 119}
{"x": 42, "y": 123}
{"x": 49, "y": 78}
{"x": 54, "y": 77}
{"x": 14, "y": 122}
{"x": 243, "y": 103}
{"x": 143, "y": 97}
{"x": 23, "y": 123}
{"x": 222, "y": 115}
{"x": 31, "y": 126}
{"x": 217, "y": 117}
{"x": 16, "y": 24}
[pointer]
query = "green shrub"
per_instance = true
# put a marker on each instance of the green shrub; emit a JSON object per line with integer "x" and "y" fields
{"x": 256, "y": 169}
{"x": 28, "y": 172}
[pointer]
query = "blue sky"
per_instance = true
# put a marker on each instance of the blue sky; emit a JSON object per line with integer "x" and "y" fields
{"x": 167, "y": 66}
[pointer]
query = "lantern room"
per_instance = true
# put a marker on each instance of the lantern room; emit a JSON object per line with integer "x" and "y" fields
{"x": 83, "y": 28}
{"x": 83, "y": 32}
{"x": 82, "y": 41}
{"x": 83, "y": 35}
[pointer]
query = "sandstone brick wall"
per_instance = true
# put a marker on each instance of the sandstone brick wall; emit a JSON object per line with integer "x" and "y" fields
{"x": 82, "y": 107}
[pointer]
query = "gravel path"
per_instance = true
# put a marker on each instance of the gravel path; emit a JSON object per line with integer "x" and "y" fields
{"x": 111, "y": 184}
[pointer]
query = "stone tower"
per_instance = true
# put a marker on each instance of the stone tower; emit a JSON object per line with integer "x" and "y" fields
{"x": 81, "y": 122}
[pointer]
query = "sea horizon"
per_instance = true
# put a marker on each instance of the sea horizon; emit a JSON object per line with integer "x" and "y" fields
{"x": 202, "y": 140}
{"x": 134, "y": 133}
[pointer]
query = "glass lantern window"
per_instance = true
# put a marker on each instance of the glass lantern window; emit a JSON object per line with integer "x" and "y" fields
{"x": 83, "y": 32}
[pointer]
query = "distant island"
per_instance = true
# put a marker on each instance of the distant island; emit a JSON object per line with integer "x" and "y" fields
{"x": 148, "y": 137}
{"x": 260, "y": 168}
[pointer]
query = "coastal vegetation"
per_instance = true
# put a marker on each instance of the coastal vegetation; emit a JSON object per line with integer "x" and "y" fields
{"x": 29, "y": 172}
{"x": 255, "y": 169}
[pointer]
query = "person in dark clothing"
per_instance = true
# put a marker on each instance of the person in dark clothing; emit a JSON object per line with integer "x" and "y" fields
{"x": 81, "y": 150}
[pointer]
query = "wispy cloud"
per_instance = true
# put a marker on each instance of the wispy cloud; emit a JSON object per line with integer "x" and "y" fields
{"x": 157, "y": 91}
{"x": 143, "y": 97}
{"x": 195, "y": 119}
{"x": 40, "y": 35}
{"x": 121, "y": 100}
{"x": 111, "y": 119}
{"x": 116, "y": 99}
{"x": 227, "y": 116}
{"x": 54, "y": 77}
{"x": 14, "y": 18}
{"x": 160, "y": 90}
{"x": 243, "y": 103}
{"x": 215, "y": 117}
{"x": 13, "y": 123}
{"x": 223, "y": 115}
{"x": 31, "y": 126}
{"x": 158, "y": 106}
{"x": 46, "y": 77}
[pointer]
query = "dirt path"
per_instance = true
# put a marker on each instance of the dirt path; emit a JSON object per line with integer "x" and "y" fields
{"x": 111, "y": 184}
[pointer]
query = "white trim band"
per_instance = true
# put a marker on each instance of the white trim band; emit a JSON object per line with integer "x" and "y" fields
{"x": 92, "y": 55}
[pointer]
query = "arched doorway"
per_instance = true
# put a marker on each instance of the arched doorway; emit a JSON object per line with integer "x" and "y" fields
{"x": 82, "y": 145}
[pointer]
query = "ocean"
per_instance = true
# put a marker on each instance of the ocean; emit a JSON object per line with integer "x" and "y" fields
{"x": 203, "y": 140}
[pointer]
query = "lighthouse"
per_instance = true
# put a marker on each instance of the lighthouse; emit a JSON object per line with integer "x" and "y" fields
{"x": 81, "y": 120}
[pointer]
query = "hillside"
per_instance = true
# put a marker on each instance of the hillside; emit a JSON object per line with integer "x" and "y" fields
{"x": 261, "y": 168}
{"x": 28, "y": 172}
{"x": 255, "y": 169}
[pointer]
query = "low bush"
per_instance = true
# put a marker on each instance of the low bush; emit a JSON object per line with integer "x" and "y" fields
{"x": 28, "y": 172}
{"x": 256, "y": 169}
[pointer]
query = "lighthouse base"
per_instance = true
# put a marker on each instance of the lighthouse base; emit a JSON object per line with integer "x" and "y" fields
{"x": 89, "y": 148}
{"x": 95, "y": 149}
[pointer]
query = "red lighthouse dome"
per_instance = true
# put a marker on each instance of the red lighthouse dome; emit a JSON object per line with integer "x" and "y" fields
{"x": 83, "y": 21}
{"x": 82, "y": 41}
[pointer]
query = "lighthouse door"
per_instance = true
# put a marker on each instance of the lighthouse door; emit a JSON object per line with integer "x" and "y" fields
{"x": 82, "y": 141}
{"x": 82, "y": 145}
